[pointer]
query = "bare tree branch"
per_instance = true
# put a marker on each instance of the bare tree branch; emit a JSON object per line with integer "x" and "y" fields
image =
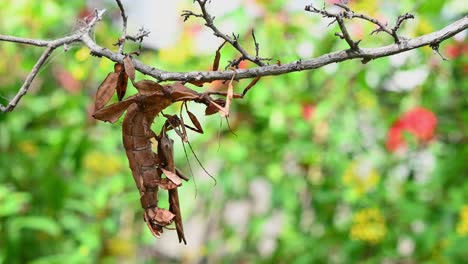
{"x": 121, "y": 42}
{"x": 234, "y": 40}
{"x": 27, "y": 83}
{"x": 365, "y": 54}
{"x": 349, "y": 14}
{"x": 51, "y": 46}
{"x": 32, "y": 42}
{"x": 339, "y": 19}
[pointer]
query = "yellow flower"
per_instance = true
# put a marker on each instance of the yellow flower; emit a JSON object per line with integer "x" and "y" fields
{"x": 368, "y": 226}
{"x": 28, "y": 147}
{"x": 366, "y": 99}
{"x": 102, "y": 164}
{"x": 462, "y": 226}
{"x": 361, "y": 177}
{"x": 82, "y": 54}
{"x": 120, "y": 246}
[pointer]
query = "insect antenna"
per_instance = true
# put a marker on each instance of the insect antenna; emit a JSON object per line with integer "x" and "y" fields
{"x": 4, "y": 97}
{"x": 219, "y": 133}
{"x": 190, "y": 168}
{"x": 201, "y": 165}
{"x": 185, "y": 150}
{"x": 229, "y": 126}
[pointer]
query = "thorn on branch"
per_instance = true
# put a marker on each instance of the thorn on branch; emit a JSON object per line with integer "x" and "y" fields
{"x": 347, "y": 13}
{"x": 235, "y": 37}
{"x": 331, "y": 23}
{"x": 376, "y": 31}
{"x": 121, "y": 41}
{"x": 234, "y": 63}
{"x": 142, "y": 33}
{"x": 257, "y": 46}
{"x": 95, "y": 54}
{"x": 435, "y": 48}
{"x": 186, "y": 14}
{"x": 366, "y": 60}
{"x": 299, "y": 65}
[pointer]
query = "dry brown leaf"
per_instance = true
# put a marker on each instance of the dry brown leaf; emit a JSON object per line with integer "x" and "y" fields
{"x": 181, "y": 92}
{"x": 215, "y": 106}
{"x": 195, "y": 122}
{"x": 119, "y": 67}
{"x": 172, "y": 176}
{"x": 229, "y": 96}
{"x": 106, "y": 90}
{"x": 166, "y": 184}
{"x": 163, "y": 216}
{"x": 113, "y": 112}
{"x": 122, "y": 85}
{"x": 147, "y": 87}
{"x": 217, "y": 57}
{"x": 129, "y": 68}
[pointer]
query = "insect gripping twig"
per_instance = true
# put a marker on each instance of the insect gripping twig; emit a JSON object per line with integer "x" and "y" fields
{"x": 152, "y": 171}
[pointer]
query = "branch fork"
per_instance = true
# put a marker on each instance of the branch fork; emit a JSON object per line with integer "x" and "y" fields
{"x": 264, "y": 69}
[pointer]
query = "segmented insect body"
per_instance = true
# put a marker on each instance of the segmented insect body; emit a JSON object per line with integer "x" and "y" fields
{"x": 143, "y": 161}
{"x": 166, "y": 159}
{"x": 148, "y": 167}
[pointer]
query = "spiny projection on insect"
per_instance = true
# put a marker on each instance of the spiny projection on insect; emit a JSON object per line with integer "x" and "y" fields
{"x": 156, "y": 170}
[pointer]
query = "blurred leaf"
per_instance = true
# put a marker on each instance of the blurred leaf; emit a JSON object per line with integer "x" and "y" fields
{"x": 34, "y": 223}
{"x": 12, "y": 203}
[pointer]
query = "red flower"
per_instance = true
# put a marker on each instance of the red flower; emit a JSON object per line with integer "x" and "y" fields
{"x": 419, "y": 122}
{"x": 456, "y": 49}
{"x": 243, "y": 64}
{"x": 308, "y": 111}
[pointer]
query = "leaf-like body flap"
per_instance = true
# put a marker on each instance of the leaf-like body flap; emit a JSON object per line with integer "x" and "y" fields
{"x": 106, "y": 90}
{"x": 113, "y": 112}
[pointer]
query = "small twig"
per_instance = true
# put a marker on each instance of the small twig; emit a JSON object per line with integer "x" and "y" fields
{"x": 187, "y": 14}
{"x": 122, "y": 39}
{"x": 400, "y": 20}
{"x": 306, "y": 64}
{"x": 231, "y": 40}
{"x": 51, "y": 46}
{"x": 27, "y": 83}
{"x": 142, "y": 33}
{"x": 366, "y": 54}
{"x": 224, "y": 93}
{"x": 349, "y": 14}
{"x": 257, "y": 46}
{"x": 346, "y": 36}
{"x": 339, "y": 19}
{"x": 32, "y": 42}
{"x": 234, "y": 63}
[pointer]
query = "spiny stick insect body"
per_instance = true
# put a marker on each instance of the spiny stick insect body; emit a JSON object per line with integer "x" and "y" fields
{"x": 152, "y": 171}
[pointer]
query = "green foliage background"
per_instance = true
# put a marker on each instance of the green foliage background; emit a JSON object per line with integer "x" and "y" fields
{"x": 289, "y": 188}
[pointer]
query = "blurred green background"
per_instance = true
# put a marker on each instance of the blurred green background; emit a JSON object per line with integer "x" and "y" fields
{"x": 350, "y": 163}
